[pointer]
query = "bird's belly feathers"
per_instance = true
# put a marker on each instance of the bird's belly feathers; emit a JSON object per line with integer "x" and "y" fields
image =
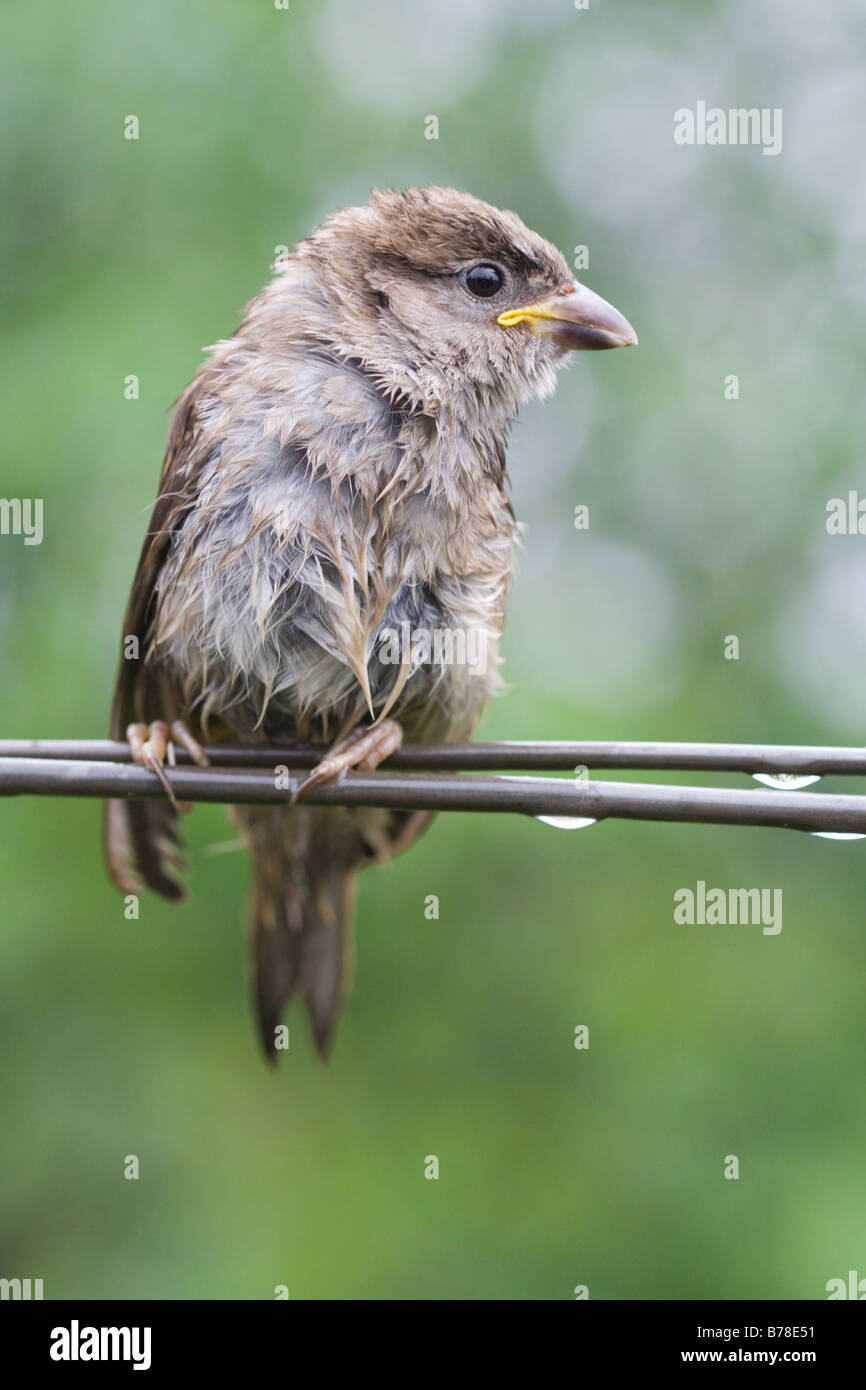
{"x": 302, "y": 640}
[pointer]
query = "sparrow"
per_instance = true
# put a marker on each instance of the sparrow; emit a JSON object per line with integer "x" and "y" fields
{"x": 335, "y": 474}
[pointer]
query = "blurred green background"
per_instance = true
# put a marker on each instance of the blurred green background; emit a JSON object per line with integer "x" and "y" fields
{"x": 707, "y": 518}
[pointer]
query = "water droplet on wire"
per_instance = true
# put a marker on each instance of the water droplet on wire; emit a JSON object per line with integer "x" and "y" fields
{"x": 787, "y": 781}
{"x": 838, "y": 835}
{"x": 567, "y": 822}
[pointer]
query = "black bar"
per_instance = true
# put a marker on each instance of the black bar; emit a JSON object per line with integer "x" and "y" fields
{"x": 531, "y": 796}
{"x": 537, "y": 756}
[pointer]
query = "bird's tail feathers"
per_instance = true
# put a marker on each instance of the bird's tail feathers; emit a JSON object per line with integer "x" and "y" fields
{"x": 300, "y": 935}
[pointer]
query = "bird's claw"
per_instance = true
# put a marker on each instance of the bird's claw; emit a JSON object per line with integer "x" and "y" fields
{"x": 364, "y": 749}
{"x": 149, "y": 745}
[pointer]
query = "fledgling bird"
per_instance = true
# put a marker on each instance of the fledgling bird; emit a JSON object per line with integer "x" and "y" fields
{"x": 334, "y": 471}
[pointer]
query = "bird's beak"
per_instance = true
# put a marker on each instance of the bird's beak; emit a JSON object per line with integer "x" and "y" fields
{"x": 575, "y": 318}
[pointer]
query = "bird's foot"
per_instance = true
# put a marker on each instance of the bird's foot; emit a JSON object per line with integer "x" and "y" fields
{"x": 364, "y": 749}
{"x": 150, "y": 744}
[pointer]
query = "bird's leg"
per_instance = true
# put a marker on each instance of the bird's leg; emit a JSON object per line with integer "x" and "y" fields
{"x": 362, "y": 748}
{"x": 150, "y": 743}
{"x": 180, "y": 734}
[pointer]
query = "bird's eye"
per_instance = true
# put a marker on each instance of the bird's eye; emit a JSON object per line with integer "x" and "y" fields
{"x": 484, "y": 281}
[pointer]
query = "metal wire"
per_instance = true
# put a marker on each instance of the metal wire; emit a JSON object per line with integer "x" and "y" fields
{"x": 103, "y": 769}
{"x": 499, "y": 757}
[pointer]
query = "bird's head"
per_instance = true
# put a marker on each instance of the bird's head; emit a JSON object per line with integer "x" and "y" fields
{"x": 437, "y": 293}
